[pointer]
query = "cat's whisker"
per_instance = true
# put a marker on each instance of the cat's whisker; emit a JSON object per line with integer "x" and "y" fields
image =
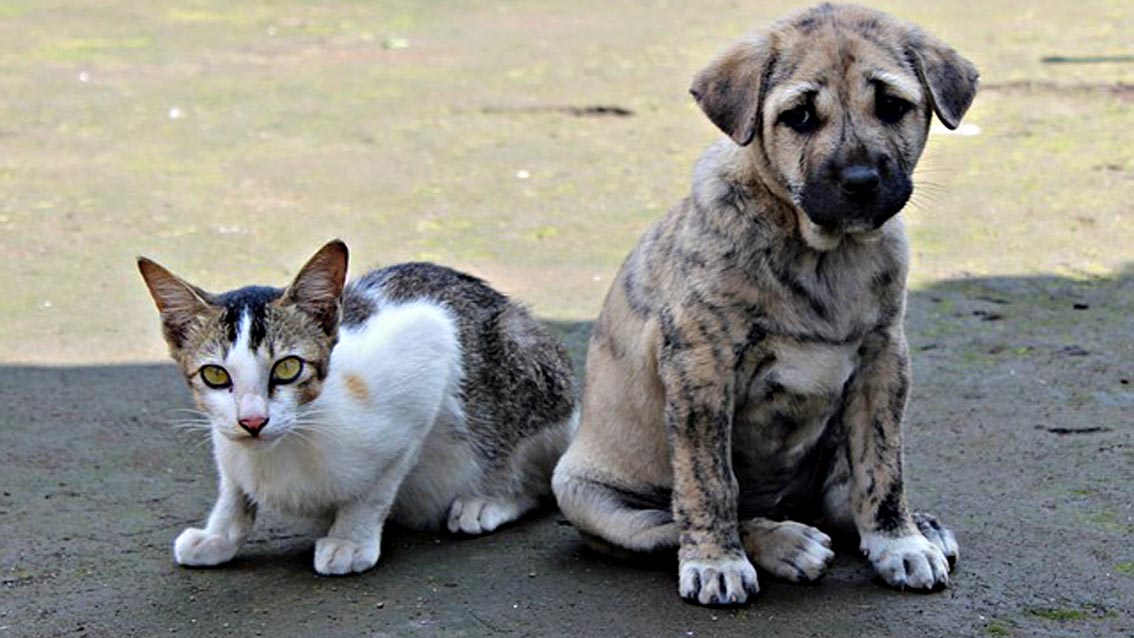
{"x": 189, "y": 410}
{"x": 303, "y": 437}
{"x": 203, "y": 426}
{"x": 309, "y": 429}
{"x": 278, "y": 447}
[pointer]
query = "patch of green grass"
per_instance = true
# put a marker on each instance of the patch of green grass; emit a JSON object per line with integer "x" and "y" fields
{"x": 1107, "y": 520}
{"x": 998, "y": 630}
{"x": 1059, "y": 614}
{"x": 1125, "y": 568}
{"x": 1071, "y": 614}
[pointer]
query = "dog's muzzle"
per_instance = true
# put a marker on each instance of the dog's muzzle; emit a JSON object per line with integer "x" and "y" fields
{"x": 855, "y": 196}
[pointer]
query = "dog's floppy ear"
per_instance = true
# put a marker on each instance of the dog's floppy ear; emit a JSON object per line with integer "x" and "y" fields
{"x": 731, "y": 89}
{"x": 950, "y": 79}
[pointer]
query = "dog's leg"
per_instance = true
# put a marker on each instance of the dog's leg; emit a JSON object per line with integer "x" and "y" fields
{"x": 902, "y": 556}
{"x": 699, "y": 399}
{"x": 792, "y": 551}
{"x": 839, "y": 517}
{"x": 613, "y": 520}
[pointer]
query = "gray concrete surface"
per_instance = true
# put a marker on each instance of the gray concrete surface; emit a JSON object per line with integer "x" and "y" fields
{"x": 1020, "y": 437}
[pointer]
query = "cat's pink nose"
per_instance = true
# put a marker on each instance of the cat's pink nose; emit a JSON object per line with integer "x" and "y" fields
{"x": 253, "y": 424}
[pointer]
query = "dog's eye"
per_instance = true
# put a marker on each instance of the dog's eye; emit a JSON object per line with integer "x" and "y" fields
{"x": 801, "y": 119}
{"x": 891, "y": 109}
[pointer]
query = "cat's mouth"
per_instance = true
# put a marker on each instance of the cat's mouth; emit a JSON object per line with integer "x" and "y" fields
{"x": 260, "y": 440}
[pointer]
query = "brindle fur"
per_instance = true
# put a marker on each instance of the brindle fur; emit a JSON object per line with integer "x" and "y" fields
{"x": 749, "y": 366}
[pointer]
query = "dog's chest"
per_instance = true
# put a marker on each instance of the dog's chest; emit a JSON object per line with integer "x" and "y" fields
{"x": 787, "y": 393}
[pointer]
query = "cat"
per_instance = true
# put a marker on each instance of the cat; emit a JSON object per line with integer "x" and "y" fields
{"x": 416, "y": 393}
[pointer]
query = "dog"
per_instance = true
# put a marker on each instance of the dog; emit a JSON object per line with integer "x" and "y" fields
{"x": 748, "y": 374}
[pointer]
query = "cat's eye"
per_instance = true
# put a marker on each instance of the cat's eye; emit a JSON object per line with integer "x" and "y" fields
{"x": 891, "y": 109}
{"x": 801, "y": 119}
{"x": 287, "y": 370}
{"x": 215, "y": 377}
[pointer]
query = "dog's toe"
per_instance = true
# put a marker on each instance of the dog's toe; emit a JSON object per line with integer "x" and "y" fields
{"x": 939, "y": 535}
{"x": 727, "y": 581}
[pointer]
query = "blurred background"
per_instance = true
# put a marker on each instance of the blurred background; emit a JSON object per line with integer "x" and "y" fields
{"x": 531, "y": 142}
{"x": 528, "y": 142}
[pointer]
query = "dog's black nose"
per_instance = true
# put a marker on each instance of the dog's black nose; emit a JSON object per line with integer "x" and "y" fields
{"x": 859, "y": 181}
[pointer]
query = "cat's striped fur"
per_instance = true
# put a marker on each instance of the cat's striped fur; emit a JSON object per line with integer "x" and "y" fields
{"x": 422, "y": 395}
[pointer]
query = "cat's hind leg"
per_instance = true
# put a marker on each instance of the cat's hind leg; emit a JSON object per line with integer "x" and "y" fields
{"x": 514, "y": 489}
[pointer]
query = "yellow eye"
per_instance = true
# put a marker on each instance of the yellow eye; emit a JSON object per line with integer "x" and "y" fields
{"x": 215, "y": 377}
{"x": 287, "y": 370}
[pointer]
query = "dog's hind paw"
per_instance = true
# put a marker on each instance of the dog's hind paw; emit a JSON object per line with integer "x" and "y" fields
{"x": 724, "y": 581}
{"x": 788, "y": 550}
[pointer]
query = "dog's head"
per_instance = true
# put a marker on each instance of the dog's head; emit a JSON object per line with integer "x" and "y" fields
{"x": 835, "y": 103}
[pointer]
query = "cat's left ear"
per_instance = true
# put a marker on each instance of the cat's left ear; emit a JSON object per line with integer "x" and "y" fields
{"x": 319, "y": 284}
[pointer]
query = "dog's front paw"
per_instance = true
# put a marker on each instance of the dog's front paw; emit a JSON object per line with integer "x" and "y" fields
{"x": 338, "y": 556}
{"x": 788, "y": 550}
{"x": 198, "y": 548}
{"x": 939, "y": 535}
{"x": 907, "y": 562}
{"x": 723, "y": 581}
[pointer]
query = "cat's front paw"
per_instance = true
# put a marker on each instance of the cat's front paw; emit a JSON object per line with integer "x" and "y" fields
{"x": 907, "y": 562}
{"x": 338, "y": 556}
{"x": 198, "y": 548}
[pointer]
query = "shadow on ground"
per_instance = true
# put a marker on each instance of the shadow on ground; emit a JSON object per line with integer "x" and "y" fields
{"x": 1020, "y": 436}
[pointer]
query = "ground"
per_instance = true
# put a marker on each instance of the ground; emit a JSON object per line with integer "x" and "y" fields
{"x": 229, "y": 140}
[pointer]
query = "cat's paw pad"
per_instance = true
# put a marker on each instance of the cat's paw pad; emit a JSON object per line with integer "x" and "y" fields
{"x": 725, "y": 581}
{"x": 907, "y": 562}
{"x": 337, "y": 556}
{"x": 479, "y": 515}
{"x": 939, "y": 535}
{"x": 791, "y": 551}
{"x": 198, "y": 548}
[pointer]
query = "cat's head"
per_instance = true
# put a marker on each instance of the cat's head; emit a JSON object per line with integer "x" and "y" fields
{"x": 255, "y": 355}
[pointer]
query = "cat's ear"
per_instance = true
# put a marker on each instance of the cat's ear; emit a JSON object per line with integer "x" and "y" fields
{"x": 179, "y": 302}
{"x": 319, "y": 284}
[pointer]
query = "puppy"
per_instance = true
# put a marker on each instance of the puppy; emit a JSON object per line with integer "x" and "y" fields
{"x": 747, "y": 376}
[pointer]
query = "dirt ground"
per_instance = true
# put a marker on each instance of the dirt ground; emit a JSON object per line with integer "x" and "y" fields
{"x": 230, "y": 140}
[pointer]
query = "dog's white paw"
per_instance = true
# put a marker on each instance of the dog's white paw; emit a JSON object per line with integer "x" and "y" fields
{"x": 789, "y": 550}
{"x": 907, "y": 562}
{"x": 479, "y": 515}
{"x": 338, "y": 556}
{"x": 939, "y": 535}
{"x": 198, "y": 548}
{"x": 725, "y": 581}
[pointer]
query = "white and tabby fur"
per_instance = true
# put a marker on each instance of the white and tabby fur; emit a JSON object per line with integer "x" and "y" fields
{"x": 383, "y": 433}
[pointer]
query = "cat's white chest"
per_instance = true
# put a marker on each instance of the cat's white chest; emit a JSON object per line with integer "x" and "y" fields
{"x": 300, "y": 477}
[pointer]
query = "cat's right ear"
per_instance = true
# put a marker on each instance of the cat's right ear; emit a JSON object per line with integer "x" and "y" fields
{"x": 319, "y": 285}
{"x": 179, "y": 302}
